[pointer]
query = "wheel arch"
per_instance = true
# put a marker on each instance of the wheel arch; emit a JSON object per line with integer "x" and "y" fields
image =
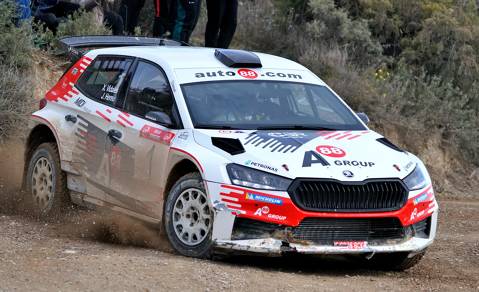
{"x": 181, "y": 168}
{"x": 41, "y": 133}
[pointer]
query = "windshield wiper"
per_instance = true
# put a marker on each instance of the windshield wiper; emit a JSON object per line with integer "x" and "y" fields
{"x": 214, "y": 127}
{"x": 295, "y": 127}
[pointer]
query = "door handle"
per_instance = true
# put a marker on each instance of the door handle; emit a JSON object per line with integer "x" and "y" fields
{"x": 114, "y": 136}
{"x": 71, "y": 118}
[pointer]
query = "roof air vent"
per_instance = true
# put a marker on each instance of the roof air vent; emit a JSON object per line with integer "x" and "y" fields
{"x": 229, "y": 145}
{"x": 238, "y": 58}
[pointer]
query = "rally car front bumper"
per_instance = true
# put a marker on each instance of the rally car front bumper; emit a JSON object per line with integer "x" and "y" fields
{"x": 276, "y": 221}
{"x": 274, "y": 246}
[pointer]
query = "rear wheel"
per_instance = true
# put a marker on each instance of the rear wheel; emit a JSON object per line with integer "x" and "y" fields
{"x": 46, "y": 184}
{"x": 189, "y": 217}
{"x": 398, "y": 261}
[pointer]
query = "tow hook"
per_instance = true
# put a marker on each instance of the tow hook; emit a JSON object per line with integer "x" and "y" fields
{"x": 286, "y": 248}
{"x": 370, "y": 255}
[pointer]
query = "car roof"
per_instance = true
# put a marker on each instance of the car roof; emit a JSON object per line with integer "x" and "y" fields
{"x": 192, "y": 57}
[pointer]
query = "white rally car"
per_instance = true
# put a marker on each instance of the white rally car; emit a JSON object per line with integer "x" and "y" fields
{"x": 229, "y": 151}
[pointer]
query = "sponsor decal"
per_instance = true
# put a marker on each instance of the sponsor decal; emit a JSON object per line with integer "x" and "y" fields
{"x": 331, "y": 151}
{"x": 156, "y": 135}
{"x": 348, "y": 173}
{"x": 351, "y": 244}
{"x": 183, "y": 136}
{"x": 408, "y": 166}
{"x": 80, "y": 102}
{"x": 230, "y": 132}
{"x": 74, "y": 71}
{"x": 311, "y": 157}
{"x": 354, "y": 163}
{"x": 279, "y": 141}
{"x": 247, "y": 73}
{"x": 264, "y": 199}
{"x": 260, "y": 165}
{"x": 413, "y": 214}
{"x": 421, "y": 198}
{"x": 265, "y": 211}
{"x": 428, "y": 195}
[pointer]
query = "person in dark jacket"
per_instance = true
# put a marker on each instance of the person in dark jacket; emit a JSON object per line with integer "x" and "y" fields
{"x": 23, "y": 10}
{"x": 221, "y": 25}
{"x": 183, "y": 19}
{"x": 130, "y": 12}
{"x": 162, "y": 13}
{"x": 51, "y": 12}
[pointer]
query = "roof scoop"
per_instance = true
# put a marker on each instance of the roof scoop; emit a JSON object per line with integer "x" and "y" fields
{"x": 238, "y": 58}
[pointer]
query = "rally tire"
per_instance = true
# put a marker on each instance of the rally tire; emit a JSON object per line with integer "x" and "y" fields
{"x": 398, "y": 261}
{"x": 46, "y": 193}
{"x": 189, "y": 186}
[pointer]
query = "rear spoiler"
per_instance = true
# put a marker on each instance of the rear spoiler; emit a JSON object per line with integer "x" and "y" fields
{"x": 76, "y": 46}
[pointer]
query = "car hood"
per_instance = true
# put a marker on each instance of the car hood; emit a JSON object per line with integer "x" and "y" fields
{"x": 341, "y": 155}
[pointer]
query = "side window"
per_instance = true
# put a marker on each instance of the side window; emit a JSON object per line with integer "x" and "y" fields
{"x": 102, "y": 80}
{"x": 149, "y": 95}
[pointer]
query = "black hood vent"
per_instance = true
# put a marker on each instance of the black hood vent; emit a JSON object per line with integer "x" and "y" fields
{"x": 389, "y": 144}
{"x": 229, "y": 145}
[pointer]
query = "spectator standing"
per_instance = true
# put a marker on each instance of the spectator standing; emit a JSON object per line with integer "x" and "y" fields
{"x": 184, "y": 17}
{"x": 24, "y": 11}
{"x": 162, "y": 13}
{"x": 111, "y": 19}
{"x": 130, "y": 12}
{"x": 51, "y": 12}
{"x": 221, "y": 25}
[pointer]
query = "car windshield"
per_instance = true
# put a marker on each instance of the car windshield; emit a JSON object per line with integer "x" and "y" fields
{"x": 266, "y": 105}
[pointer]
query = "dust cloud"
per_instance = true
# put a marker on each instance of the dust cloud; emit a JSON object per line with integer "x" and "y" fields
{"x": 98, "y": 225}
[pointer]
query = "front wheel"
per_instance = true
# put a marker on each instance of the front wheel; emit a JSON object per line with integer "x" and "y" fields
{"x": 189, "y": 217}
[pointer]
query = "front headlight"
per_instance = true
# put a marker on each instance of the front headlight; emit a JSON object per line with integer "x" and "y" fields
{"x": 417, "y": 179}
{"x": 252, "y": 178}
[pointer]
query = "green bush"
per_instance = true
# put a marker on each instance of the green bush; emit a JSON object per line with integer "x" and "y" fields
{"x": 16, "y": 90}
{"x": 428, "y": 78}
{"x": 15, "y": 41}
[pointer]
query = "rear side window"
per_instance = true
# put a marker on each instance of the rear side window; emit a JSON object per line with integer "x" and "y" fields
{"x": 149, "y": 92}
{"x": 103, "y": 79}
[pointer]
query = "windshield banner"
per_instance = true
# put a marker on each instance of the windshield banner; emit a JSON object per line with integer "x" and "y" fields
{"x": 213, "y": 74}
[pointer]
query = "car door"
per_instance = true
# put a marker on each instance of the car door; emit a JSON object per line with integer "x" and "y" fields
{"x": 150, "y": 127}
{"x": 101, "y": 88}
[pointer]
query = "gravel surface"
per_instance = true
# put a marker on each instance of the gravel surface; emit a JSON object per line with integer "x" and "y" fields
{"x": 93, "y": 251}
{"x": 97, "y": 251}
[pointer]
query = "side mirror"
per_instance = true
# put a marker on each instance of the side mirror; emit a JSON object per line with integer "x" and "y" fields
{"x": 364, "y": 117}
{"x": 160, "y": 118}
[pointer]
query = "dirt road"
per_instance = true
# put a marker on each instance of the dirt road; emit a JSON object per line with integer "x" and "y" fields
{"x": 78, "y": 256}
{"x": 94, "y": 251}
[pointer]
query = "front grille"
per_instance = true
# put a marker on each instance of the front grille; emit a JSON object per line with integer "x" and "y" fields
{"x": 334, "y": 196}
{"x": 328, "y": 230}
{"x": 324, "y": 230}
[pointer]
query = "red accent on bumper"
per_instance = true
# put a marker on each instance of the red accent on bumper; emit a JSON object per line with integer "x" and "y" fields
{"x": 283, "y": 211}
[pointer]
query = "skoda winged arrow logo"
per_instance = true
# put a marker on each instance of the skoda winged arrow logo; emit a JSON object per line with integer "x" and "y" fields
{"x": 348, "y": 173}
